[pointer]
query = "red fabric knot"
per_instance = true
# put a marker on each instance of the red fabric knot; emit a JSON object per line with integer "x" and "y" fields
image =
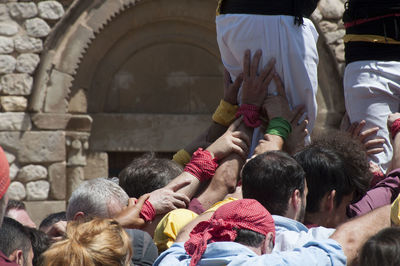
{"x": 4, "y": 173}
{"x": 148, "y": 213}
{"x": 395, "y": 127}
{"x": 202, "y": 165}
{"x": 240, "y": 214}
{"x": 251, "y": 115}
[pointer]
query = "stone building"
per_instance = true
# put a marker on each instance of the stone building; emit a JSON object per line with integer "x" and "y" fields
{"x": 84, "y": 82}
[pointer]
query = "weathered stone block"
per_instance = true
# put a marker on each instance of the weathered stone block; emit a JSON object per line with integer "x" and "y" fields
{"x": 339, "y": 52}
{"x": 32, "y": 172}
{"x": 38, "y": 210}
{"x": 13, "y": 103}
{"x": 334, "y": 36}
{"x": 25, "y": 44}
{"x": 7, "y": 64}
{"x": 16, "y": 191}
{"x": 15, "y": 121}
{"x": 10, "y": 141}
{"x": 58, "y": 181}
{"x": 50, "y": 10}
{"x": 96, "y": 165}
{"x": 78, "y": 102}
{"x": 37, "y": 27}
{"x": 14, "y": 169}
{"x": 42, "y": 147}
{"x": 37, "y": 190}
{"x": 57, "y": 92}
{"x": 75, "y": 178}
{"x": 6, "y": 45}
{"x": 27, "y": 63}
{"x": 10, "y": 157}
{"x": 80, "y": 123}
{"x": 16, "y": 84}
{"x": 4, "y": 13}
{"x": 331, "y": 9}
{"x": 23, "y": 10}
{"x": 8, "y": 28}
{"x": 51, "y": 121}
{"x": 327, "y": 26}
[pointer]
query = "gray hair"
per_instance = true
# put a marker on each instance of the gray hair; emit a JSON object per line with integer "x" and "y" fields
{"x": 93, "y": 198}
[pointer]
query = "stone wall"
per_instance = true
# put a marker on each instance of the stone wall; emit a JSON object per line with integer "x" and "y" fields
{"x": 328, "y": 16}
{"x": 37, "y": 158}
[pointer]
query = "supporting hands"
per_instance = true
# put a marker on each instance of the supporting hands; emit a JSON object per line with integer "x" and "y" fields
{"x": 254, "y": 84}
{"x": 231, "y": 88}
{"x": 167, "y": 198}
{"x": 372, "y": 146}
{"x": 231, "y": 141}
{"x": 129, "y": 217}
{"x": 278, "y": 105}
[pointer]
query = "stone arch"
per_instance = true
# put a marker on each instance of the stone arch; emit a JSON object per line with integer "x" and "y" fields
{"x": 72, "y": 63}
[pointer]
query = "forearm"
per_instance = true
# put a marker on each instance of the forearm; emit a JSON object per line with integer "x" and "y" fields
{"x": 191, "y": 188}
{"x": 353, "y": 234}
{"x": 184, "y": 234}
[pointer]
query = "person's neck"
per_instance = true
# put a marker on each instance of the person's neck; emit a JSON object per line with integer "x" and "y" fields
{"x": 315, "y": 218}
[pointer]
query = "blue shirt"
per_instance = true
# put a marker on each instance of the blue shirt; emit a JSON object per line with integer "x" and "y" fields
{"x": 291, "y": 234}
{"x": 322, "y": 253}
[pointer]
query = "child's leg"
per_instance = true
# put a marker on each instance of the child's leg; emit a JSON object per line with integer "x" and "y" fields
{"x": 293, "y": 47}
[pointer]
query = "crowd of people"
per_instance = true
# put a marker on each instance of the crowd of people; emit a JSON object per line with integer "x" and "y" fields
{"x": 257, "y": 187}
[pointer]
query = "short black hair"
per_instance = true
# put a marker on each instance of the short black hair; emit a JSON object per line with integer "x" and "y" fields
{"x": 382, "y": 248}
{"x": 271, "y": 178}
{"x": 14, "y": 236}
{"x": 249, "y": 238}
{"x": 146, "y": 174}
{"x": 52, "y": 219}
{"x": 40, "y": 243}
{"x": 15, "y": 204}
{"x": 334, "y": 161}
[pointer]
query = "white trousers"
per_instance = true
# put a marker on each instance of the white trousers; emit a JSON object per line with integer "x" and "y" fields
{"x": 293, "y": 47}
{"x": 372, "y": 92}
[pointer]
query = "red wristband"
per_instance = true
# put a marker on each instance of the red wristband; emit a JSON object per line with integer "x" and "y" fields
{"x": 148, "y": 213}
{"x": 202, "y": 165}
{"x": 395, "y": 128}
{"x": 251, "y": 115}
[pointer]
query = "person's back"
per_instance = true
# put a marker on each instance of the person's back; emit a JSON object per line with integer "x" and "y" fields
{"x": 282, "y": 31}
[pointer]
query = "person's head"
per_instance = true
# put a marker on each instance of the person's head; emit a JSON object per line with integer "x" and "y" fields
{"x": 15, "y": 242}
{"x": 4, "y": 183}
{"x": 16, "y": 209}
{"x": 277, "y": 181}
{"x": 51, "y": 219}
{"x": 94, "y": 243}
{"x": 243, "y": 221}
{"x": 337, "y": 173}
{"x": 382, "y": 248}
{"x": 146, "y": 174}
{"x": 40, "y": 243}
{"x": 96, "y": 198}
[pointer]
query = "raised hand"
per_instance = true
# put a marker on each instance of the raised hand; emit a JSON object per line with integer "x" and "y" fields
{"x": 167, "y": 198}
{"x": 231, "y": 141}
{"x": 231, "y": 88}
{"x": 129, "y": 217}
{"x": 255, "y": 84}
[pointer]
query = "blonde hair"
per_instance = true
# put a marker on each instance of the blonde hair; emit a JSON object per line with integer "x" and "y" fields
{"x": 94, "y": 243}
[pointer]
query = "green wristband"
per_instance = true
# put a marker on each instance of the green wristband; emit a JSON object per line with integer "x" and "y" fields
{"x": 280, "y": 127}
